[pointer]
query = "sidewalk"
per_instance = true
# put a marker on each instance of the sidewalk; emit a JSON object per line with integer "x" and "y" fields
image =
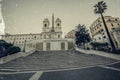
{"x": 100, "y": 53}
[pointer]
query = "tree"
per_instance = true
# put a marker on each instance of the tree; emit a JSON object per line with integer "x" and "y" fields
{"x": 100, "y": 8}
{"x": 13, "y": 49}
{"x": 7, "y": 48}
{"x": 81, "y": 36}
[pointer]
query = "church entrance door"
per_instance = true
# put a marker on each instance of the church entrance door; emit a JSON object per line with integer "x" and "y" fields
{"x": 48, "y": 46}
{"x": 62, "y": 46}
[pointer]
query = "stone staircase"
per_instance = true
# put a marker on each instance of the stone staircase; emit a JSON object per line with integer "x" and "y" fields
{"x": 46, "y": 60}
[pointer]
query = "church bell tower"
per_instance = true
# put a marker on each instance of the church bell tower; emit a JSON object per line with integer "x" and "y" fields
{"x": 46, "y": 23}
{"x": 58, "y": 22}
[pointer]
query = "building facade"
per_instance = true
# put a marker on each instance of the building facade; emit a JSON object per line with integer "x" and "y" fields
{"x": 49, "y": 39}
{"x": 53, "y": 32}
{"x": 70, "y": 34}
{"x": 98, "y": 31}
{"x": 116, "y": 35}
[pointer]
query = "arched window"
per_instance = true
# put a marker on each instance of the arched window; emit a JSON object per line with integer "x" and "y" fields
{"x": 45, "y": 25}
{"x": 58, "y": 24}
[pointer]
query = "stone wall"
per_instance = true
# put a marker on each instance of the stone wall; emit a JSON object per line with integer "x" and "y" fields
{"x": 47, "y": 45}
{"x": 15, "y": 56}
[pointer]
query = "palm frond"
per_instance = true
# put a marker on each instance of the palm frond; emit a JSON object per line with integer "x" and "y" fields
{"x": 101, "y": 2}
{"x": 100, "y": 7}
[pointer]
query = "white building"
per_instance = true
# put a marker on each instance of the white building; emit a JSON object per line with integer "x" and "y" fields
{"x": 49, "y": 39}
{"x": 99, "y": 38}
{"x": 98, "y": 31}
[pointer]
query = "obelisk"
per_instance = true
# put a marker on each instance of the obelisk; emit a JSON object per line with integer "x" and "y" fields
{"x": 52, "y": 30}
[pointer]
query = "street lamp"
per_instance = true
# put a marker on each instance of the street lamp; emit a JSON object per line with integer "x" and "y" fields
{"x": 24, "y": 46}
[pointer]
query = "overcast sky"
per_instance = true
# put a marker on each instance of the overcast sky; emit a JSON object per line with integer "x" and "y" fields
{"x": 26, "y": 16}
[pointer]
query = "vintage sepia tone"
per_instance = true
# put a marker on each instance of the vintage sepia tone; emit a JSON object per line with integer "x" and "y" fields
{"x": 59, "y": 40}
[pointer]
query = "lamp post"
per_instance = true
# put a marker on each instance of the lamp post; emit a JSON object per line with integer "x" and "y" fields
{"x": 24, "y": 46}
{"x": 14, "y": 41}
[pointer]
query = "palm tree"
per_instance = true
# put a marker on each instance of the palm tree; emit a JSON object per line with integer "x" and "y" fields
{"x": 100, "y": 8}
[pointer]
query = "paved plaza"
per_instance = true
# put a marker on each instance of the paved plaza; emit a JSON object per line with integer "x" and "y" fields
{"x": 61, "y": 65}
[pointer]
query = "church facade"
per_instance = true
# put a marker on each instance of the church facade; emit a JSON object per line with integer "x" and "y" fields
{"x": 48, "y": 40}
{"x": 53, "y": 32}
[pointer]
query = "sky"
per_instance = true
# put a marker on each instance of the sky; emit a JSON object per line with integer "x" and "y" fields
{"x": 26, "y": 16}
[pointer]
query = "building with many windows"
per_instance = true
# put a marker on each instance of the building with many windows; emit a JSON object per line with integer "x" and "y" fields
{"x": 98, "y": 31}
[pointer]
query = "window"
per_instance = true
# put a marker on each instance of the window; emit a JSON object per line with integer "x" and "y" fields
{"x": 97, "y": 27}
{"x": 113, "y": 28}
{"x": 112, "y": 25}
{"x": 99, "y": 38}
{"x": 109, "y": 19}
{"x": 116, "y": 20}
{"x": 58, "y": 36}
{"x": 102, "y": 30}
{"x": 98, "y": 21}
{"x": 45, "y": 25}
{"x": 58, "y": 24}
{"x": 93, "y": 30}
{"x": 104, "y": 36}
{"x": 118, "y": 24}
{"x": 44, "y": 36}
